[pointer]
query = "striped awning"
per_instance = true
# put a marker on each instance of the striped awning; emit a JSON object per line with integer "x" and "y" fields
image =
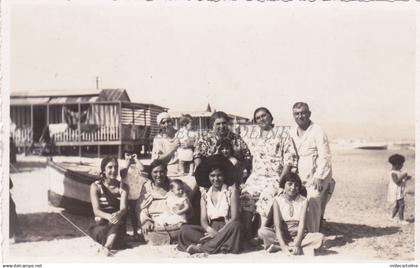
{"x": 28, "y": 101}
{"x": 51, "y": 100}
{"x": 63, "y": 100}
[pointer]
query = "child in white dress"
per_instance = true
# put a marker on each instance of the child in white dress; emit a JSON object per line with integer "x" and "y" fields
{"x": 132, "y": 175}
{"x": 178, "y": 205}
{"x": 396, "y": 187}
{"x": 187, "y": 139}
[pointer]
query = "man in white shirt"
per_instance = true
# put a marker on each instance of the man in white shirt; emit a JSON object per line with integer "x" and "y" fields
{"x": 314, "y": 163}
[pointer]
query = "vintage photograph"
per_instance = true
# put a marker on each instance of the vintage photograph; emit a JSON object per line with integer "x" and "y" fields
{"x": 203, "y": 131}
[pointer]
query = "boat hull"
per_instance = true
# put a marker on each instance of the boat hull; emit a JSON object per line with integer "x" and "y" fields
{"x": 69, "y": 189}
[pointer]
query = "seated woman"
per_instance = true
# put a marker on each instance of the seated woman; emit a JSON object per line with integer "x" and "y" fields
{"x": 289, "y": 212}
{"x": 109, "y": 203}
{"x": 156, "y": 227}
{"x": 220, "y": 230}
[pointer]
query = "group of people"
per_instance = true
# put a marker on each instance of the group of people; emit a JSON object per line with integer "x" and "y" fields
{"x": 214, "y": 192}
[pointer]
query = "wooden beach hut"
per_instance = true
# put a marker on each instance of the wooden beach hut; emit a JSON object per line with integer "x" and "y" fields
{"x": 83, "y": 122}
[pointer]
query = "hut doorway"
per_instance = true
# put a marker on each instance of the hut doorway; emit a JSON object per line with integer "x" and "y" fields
{"x": 40, "y": 121}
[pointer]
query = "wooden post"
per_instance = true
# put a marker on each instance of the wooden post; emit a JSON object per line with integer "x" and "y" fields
{"x": 99, "y": 151}
{"x": 79, "y": 131}
{"x": 120, "y": 130}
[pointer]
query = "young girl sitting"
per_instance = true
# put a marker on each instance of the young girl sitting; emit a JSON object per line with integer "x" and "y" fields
{"x": 187, "y": 139}
{"x": 289, "y": 213}
{"x": 132, "y": 175}
{"x": 178, "y": 203}
{"x": 396, "y": 188}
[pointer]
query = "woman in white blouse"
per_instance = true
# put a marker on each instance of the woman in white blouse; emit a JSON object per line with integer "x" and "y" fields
{"x": 220, "y": 230}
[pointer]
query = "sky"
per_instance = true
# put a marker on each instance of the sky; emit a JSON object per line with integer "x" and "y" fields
{"x": 354, "y": 66}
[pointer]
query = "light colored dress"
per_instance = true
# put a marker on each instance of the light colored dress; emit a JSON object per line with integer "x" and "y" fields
{"x": 186, "y": 136}
{"x": 291, "y": 212}
{"x": 395, "y": 192}
{"x": 169, "y": 217}
{"x": 161, "y": 145}
{"x": 270, "y": 154}
{"x": 135, "y": 181}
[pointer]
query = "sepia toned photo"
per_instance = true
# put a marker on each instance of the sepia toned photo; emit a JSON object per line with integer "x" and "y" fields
{"x": 208, "y": 131}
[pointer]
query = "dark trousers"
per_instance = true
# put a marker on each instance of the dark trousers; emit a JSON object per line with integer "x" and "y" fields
{"x": 14, "y": 226}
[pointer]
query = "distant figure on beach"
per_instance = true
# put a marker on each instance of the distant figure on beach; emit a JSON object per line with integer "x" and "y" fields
{"x": 206, "y": 145}
{"x": 178, "y": 203}
{"x": 109, "y": 203}
{"x": 289, "y": 233}
{"x": 187, "y": 138}
{"x": 132, "y": 175}
{"x": 396, "y": 188}
{"x": 274, "y": 155}
{"x": 314, "y": 163}
{"x": 15, "y": 232}
{"x": 47, "y": 142}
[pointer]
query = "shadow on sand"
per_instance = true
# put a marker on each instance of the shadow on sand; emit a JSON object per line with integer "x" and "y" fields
{"x": 19, "y": 167}
{"x": 345, "y": 233}
{"x": 47, "y": 226}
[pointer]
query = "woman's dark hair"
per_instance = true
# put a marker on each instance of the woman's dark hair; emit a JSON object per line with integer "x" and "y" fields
{"x": 105, "y": 162}
{"x": 262, "y": 109}
{"x": 154, "y": 164}
{"x": 396, "y": 159}
{"x": 217, "y": 115}
{"x": 185, "y": 119}
{"x": 293, "y": 177}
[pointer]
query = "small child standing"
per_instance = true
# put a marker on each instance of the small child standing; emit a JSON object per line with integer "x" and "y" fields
{"x": 178, "y": 204}
{"x": 187, "y": 139}
{"x": 132, "y": 175}
{"x": 396, "y": 188}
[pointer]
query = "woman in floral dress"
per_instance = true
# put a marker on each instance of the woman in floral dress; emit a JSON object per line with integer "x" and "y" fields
{"x": 274, "y": 155}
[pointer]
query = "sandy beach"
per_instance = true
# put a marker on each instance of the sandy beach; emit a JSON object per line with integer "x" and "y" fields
{"x": 358, "y": 219}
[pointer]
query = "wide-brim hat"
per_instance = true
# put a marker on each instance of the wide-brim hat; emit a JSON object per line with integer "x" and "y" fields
{"x": 210, "y": 163}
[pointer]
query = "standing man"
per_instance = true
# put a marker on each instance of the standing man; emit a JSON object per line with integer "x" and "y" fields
{"x": 314, "y": 163}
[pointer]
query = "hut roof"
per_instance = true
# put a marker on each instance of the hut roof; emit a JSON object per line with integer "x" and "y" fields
{"x": 73, "y": 96}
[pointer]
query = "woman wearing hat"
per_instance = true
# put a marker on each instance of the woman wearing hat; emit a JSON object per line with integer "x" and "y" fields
{"x": 274, "y": 155}
{"x": 289, "y": 213}
{"x": 109, "y": 203}
{"x": 153, "y": 204}
{"x": 165, "y": 144}
{"x": 220, "y": 230}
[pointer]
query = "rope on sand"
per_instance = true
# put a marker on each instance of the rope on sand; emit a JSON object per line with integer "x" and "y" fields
{"x": 13, "y": 167}
{"x": 85, "y": 234}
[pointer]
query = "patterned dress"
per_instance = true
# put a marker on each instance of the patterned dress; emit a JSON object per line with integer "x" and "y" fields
{"x": 206, "y": 146}
{"x": 271, "y": 153}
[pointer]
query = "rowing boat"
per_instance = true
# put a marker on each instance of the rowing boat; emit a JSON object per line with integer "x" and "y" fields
{"x": 69, "y": 185}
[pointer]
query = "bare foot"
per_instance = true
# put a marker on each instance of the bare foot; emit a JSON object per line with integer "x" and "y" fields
{"x": 193, "y": 249}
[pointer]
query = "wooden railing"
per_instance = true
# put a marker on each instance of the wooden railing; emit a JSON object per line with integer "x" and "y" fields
{"x": 22, "y": 136}
{"x": 103, "y": 133}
